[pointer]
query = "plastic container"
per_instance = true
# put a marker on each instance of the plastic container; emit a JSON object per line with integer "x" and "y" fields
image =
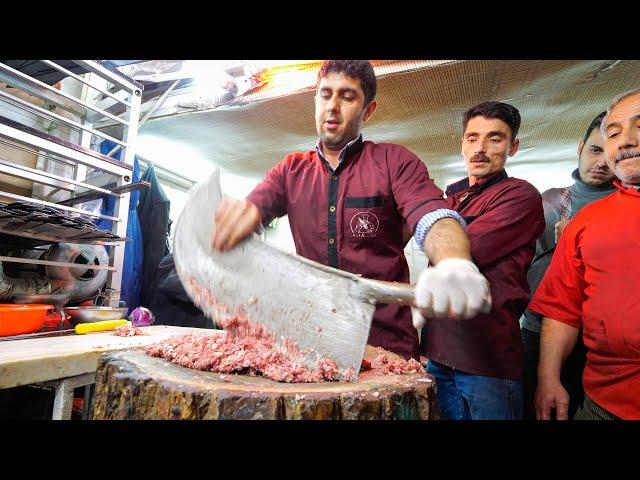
{"x": 18, "y": 318}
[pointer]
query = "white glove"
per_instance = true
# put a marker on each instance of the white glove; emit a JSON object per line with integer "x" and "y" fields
{"x": 453, "y": 288}
{"x": 417, "y": 319}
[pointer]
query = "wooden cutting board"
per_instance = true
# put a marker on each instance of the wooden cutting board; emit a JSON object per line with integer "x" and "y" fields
{"x": 23, "y": 362}
{"x": 131, "y": 385}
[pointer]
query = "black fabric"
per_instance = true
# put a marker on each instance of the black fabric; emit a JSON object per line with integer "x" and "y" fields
{"x": 464, "y": 183}
{"x": 420, "y": 205}
{"x": 153, "y": 213}
{"x": 334, "y": 260}
{"x": 170, "y": 303}
{"x": 363, "y": 202}
{"x": 26, "y": 403}
{"x": 570, "y": 377}
{"x": 531, "y": 352}
{"x": 348, "y": 152}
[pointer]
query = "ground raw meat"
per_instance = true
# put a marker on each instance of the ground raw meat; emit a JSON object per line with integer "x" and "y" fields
{"x": 365, "y": 365}
{"x": 246, "y": 348}
{"x": 385, "y": 366}
{"x": 128, "y": 331}
{"x": 249, "y": 348}
{"x": 204, "y": 299}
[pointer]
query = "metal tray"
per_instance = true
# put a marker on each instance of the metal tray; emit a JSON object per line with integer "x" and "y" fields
{"x": 94, "y": 314}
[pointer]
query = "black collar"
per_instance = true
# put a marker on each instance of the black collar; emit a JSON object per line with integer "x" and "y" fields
{"x": 482, "y": 183}
{"x": 350, "y": 150}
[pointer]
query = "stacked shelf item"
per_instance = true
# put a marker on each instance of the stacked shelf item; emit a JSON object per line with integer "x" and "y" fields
{"x": 53, "y": 121}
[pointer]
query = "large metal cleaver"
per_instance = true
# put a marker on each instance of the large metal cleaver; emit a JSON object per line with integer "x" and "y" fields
{"x": 318, "y": 307}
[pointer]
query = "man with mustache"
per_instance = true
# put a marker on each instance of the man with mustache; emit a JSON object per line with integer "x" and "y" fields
{"x": 593, "y": 181}
{"x": 477, "y": 364}
{"x": 592, "y": 284}
{"x": 347, "y": 200}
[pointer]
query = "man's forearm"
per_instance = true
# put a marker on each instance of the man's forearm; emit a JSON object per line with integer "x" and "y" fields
{"x": 557, "y": 341}
{"x": 445, "y": 239}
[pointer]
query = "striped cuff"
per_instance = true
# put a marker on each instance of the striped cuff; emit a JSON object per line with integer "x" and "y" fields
{"x": 427, "y": 221}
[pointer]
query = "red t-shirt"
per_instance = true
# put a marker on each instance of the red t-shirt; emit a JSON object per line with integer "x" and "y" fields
{"x": 592, "y": 282}
{"x": 352, "y": 219}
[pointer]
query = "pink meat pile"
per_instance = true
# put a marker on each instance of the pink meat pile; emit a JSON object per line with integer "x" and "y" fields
{"x": 382, "y": 364}
{"x": 247, "y": 348}
{"x": 128, "y": 331}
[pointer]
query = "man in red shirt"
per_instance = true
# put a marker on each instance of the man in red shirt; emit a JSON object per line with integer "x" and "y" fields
{"x": 477, "y": 364}
{"x": 347, "y": 200}
{"x": 592, "y": 283}
{"x": 593, "y": 181}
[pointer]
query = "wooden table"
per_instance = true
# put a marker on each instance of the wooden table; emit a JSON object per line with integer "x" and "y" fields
{"x": 68, "y": 362}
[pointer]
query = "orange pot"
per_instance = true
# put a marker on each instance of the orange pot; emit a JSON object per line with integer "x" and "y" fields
{"x": 17, "y": 318}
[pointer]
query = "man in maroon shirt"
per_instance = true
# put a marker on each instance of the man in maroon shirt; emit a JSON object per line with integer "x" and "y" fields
{"x": 478, "y": 363}
{"x": 347, "y": 200}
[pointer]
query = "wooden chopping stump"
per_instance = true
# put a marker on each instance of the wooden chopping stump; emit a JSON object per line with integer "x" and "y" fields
{"x": 133, "y": 385}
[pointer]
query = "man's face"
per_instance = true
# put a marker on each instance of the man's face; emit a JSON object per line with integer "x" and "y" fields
{"x": 592, "y": 166}
{"x": 486, "y": 143}
{"x": 622, "y": 143}
{"x": 340, "y": 110}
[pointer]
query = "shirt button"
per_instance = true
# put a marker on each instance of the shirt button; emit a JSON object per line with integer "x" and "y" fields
{"x": 332, "y": 208}
{"x": 331, "y": 241}
{"x": 334, "y": 177}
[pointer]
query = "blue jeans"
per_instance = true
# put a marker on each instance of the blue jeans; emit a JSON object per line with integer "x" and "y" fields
{"x": 465, "y": 396}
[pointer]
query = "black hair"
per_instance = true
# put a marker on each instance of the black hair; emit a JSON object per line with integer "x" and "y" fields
{"x": 595, "y": 123}
{"x": 502, "y": 111}
{"x": 360, "y": 69}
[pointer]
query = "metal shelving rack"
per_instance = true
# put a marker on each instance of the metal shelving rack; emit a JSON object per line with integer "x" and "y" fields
{"x": 104, "y": 93}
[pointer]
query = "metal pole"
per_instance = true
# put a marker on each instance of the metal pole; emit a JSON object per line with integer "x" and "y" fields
{"x": 121, "y": 206}
{"x": 47, "y": 113}
{"x": 59, "y": 92}
{"x": 80, "y": 79}
{"x": 156, "y": 105}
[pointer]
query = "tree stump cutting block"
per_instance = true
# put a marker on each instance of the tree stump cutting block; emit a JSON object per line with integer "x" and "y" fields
{"x": 133, "y": 385}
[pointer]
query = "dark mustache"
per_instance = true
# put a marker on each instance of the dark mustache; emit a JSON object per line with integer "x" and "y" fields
{"x": 480, "y": 157}
{"x": 627, "y": 154}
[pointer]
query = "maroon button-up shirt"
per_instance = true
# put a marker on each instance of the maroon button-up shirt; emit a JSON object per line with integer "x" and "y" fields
{"x": 351, "y": 218}
{"x": 504, "y": 218}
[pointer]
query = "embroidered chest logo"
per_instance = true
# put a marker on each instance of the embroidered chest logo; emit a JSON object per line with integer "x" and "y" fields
{"x": 364, "y": 224}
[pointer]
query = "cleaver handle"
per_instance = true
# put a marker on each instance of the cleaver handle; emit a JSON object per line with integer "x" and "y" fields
{"x": 390, "y": 292}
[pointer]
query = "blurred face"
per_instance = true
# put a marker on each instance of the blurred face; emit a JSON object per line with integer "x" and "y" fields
{"x": 340, "y": 110}
{"x": 593, "y": 167}
{"x": 622, "y": 142}
{"x": 486, "y": 144}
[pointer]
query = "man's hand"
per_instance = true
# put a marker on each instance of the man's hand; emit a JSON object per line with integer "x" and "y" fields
{"x": 551, "y": 395}
{"x": 453, "y": 288}
{"x": 235, "y": 220}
